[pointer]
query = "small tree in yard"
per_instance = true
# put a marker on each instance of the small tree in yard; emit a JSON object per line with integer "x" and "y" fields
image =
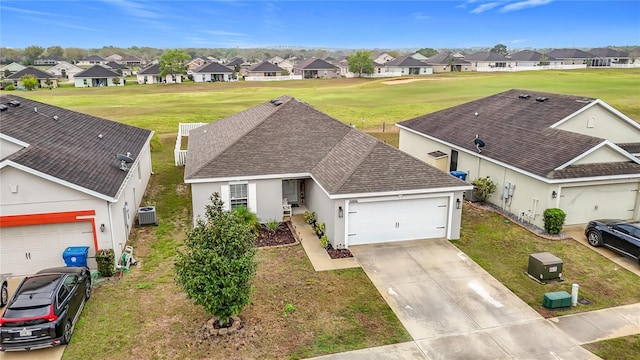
{"x": 217, "y": 264}
{"x": 483, "y": 188}
{"x": 174, "y": 63}
{"x": 115, "y": 81}
{"x": 553, "y": 220}
{"x": 360, "y": 63}
{"x": 29, "y": 81}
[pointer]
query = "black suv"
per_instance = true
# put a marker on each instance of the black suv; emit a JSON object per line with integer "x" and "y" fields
{"x": 44, "y": 309}
{"x": 619, "y": 235}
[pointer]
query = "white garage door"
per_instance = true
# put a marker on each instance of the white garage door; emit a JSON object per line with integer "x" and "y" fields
{"x": 585, "y": 203}
{"x": 27, "y": 249}
{"x": 384, "y": 221}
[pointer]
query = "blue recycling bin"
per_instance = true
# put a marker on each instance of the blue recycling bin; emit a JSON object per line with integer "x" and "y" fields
{"x": 459, "y": 174}
{"x": 75, "y": 255}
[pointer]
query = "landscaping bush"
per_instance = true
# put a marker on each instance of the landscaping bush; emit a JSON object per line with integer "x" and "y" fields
{"x": 106, "y": 260}
{"x": 10, "y": 87}
{"x": 483, "y": 188}
{"x": 554, "y": 220}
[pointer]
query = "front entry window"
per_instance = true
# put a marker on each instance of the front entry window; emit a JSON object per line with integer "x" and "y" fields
{"x": 238, "y": 195}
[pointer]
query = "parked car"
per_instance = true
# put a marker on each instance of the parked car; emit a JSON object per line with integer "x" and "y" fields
{"x": 619, "y": 235}
{"x": 4, "y": 290}
{"x": 44, "y": 309}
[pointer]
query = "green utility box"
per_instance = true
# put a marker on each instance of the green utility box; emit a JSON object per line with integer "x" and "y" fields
{"x": 558, "y": 299}
{"x": 545, "y": 266}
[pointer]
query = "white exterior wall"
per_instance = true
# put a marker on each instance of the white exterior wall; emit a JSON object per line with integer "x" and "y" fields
{"x": 206, "y": 77}
{"x": 602, "y": 155}
{"x": 599, "y": 122}
{"x": 326, "y": 211}
{"x": 7, "y": 148}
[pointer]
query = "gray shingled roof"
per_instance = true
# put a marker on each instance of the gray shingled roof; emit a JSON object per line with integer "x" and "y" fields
{"x": 93, "y": 58}
{"x": 264, "y": 66}
{"x": 236, "y": 60}
{"x": 214, "y": 68}
{"x": 405, "y": 60}
{"x": 530, "y": 55}
{"x": 315, "y": 64}
{"x": 150, "y": 70}
{"x": 39, "y": 74}
{"x": 486, "y": 56}
{"x": 295, "y": 138}
{"x": 444, "y": 59}
{"x": 97, "y": 71}
{"x": 569, "y": 54}
{"x": 516, "y": 131}
{"x": 114, "y": 65}
{"x": 69, "y": 148}
{"x": 609, "y": 52}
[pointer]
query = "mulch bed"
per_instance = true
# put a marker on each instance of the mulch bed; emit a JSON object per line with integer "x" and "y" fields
{"x": 283, "y": 236}
{"x": 338, "y": 253}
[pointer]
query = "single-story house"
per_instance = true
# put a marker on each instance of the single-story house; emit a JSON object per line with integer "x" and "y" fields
{"x": 48, "y": 60}
{"x": 264, "y": 69}
{"x": 570, "y": 56}
{"x": 543, "y": 151}
{"x": 531, "y": 58}
{"x": 97, "y": 76}
{"x": 314, "y": 68}
{"x": 609, "y": 56}
{"x": 195, "y": 63}
{"x": 119, "y": 68}
{"x": 488, "y": 59}
{"x": 235, "y": 63}
{"x": 63, "y": 185}
{"x": 381, "y": 58}
{"x": 285, "y": 64}
{"x": 286, "y": 152}
{"x": 91, "y": 60}
{"x": 42, "y": 76}
{"x": 408, "y": 65}
{"x": 212, "y": 72}
{"x": 65, "y": 70}
{"x": 448, "y": 62}
{"x": 151, "y": 75}
{"x": 10, "y": 69}
{"x": 132, "y": 60}
{"x": 114, "y": 57}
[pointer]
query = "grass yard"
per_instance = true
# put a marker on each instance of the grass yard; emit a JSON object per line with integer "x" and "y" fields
{"x": 365, "y": 103}
{"x": 624, "y": 348}
{"x": 502, "y": 248}
{"x": 145, "y": 316}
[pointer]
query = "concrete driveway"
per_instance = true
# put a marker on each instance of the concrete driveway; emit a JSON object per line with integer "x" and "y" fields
{"x": 577, "y": 233}
{"x": 40, "y": 354}
{"x": 453, "y": 309}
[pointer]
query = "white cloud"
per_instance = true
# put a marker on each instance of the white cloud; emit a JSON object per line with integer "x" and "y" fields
{"x": 420, "y": 16}
{"x": 28, "y": 12}
{"x": 485, "y": 7}
{"x": 223, "y": 33}
{"x": 524, "y": 4}
{"x": 66, "y": 24}
{"x": 136, "y": 8}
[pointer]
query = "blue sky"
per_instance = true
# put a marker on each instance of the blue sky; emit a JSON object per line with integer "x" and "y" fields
{"x": 320, "y": 24}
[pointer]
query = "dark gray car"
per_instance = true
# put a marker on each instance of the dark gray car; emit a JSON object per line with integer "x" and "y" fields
{"x": 44, "y": 309}
{"x": 619, "y": 235}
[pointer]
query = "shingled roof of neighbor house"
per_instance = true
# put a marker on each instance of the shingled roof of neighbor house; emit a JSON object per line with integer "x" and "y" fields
{"x": 264, "y": 66}
{"x": 97, "y": 71}
{"x": 75, "y": 148}
{"x": 213, "y": 67}
{"x": 530, "y": 55}
{"x": 315, "y": 64}
{"x": 286, "y": 136}
{"x": 517, "y": 131}
{"x": 486, "y": 56}
{"x": 39, "y": 74}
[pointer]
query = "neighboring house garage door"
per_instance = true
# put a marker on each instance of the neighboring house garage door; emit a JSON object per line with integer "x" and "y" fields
{"x": 585, "y": 203}
{"x": 384, "y": 221}
{"x": 27, "y": 249}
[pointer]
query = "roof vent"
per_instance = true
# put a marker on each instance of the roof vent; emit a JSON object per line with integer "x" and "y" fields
{"x": 3, "y": 107}
{"x": 277, "y": 102}
{"x": 14, "y": 103}
{"x": 524, "y": 96}
{"x": 541, "y": 99}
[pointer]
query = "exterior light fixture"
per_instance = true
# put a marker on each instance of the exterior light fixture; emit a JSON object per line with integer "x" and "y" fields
{"x": 102, "y": 227}
{"x": 340, "y": 212}
{"x": 554, "y": 194}
{"x": 458, "y": 202}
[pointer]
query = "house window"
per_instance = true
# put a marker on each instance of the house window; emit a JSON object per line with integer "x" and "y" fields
{"x": 453, "y": 165}
{"x": 238, "y": 195}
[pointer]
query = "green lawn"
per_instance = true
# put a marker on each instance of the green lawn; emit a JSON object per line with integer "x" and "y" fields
{"x": 361, "y": 102}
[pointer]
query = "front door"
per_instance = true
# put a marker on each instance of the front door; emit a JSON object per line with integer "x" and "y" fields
{"x": 290, "y": 191}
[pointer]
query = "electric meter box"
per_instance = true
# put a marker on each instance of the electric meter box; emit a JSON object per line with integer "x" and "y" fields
{"x": 545, "y": 266}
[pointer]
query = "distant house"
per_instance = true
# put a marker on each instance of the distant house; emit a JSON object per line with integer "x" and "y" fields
{"x": 408, "y": 65}
{"x": 65, "y": 70}
{"x": 119, "y": 68}
{"x": 381, "y": 58}
{"x": 314, "y": 68}
{"x": 264, "y": 69}
{"x": 530, "y": 58}
{"x": 570, "y": 56}
{"x": 235, "y": 63}
{"x": 97, "y": 76}
{"x": 151, "y": 75}
{"x": 92, "y": 60}
{"x": 284, "y": 64}
{"x": 114, "y": 57}
{"x": 42, "y": 76}
{"x": 10, "y": 69}
{"x": 488, "y": 59}
{"x": 48, "y": 60}
{"x": 212, "y": 72}
{"x": 608, "y": 57}
{"x": 448, "y": 62}
{"x": 132, "y": 60}
{"x": 195, "y": 63}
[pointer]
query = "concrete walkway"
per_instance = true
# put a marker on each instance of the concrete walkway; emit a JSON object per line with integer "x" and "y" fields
{"x": 453, "y": 309}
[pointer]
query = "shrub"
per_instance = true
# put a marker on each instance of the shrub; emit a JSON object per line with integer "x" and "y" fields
{"x": 309, "y": 217}
{"x": 319, "y": 228}
{"x": 554, "y": 220}
{"x": 273, "y": 226}
{"x": 483, "y": 188}
{"x": 249, "y": 218}
{"x": 324, "y": 241}
{"x": 10, "y": 87}
{"x": 106, "y": 260}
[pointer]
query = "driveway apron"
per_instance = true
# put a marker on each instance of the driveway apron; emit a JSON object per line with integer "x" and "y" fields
{"x": 453, "y": 309}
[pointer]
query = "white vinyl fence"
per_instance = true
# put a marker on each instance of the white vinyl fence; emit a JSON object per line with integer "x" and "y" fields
{"x": 179, "y": 155}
